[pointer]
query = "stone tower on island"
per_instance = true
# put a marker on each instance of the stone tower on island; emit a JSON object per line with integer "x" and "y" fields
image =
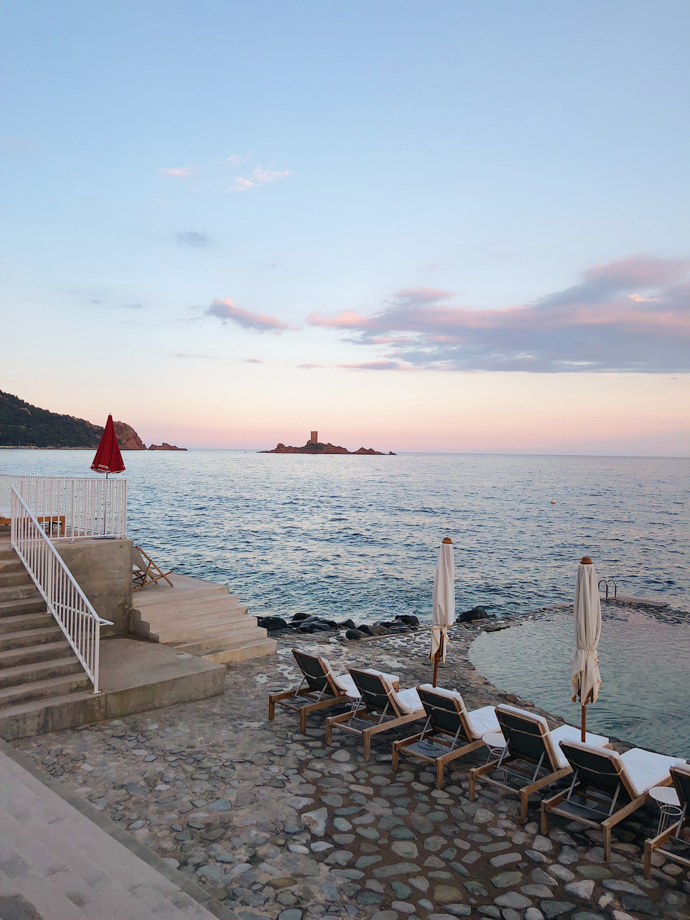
{"x": 314, "y": 439}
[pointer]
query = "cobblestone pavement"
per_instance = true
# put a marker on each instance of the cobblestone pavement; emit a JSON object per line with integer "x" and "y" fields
{"x": 278, "y": 825}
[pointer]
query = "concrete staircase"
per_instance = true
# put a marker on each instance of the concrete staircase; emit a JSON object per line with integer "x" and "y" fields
{"x": 37, "y": 665}
{"x": 199, "y": 617}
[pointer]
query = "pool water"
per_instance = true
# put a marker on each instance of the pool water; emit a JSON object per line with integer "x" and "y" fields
{"x": 645, "y": 670}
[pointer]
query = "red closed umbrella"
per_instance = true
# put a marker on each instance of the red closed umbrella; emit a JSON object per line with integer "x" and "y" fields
{"x": 108, "y": 458}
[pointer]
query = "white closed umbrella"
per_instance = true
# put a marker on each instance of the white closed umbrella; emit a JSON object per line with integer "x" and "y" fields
{"x": 586, "y": 678}
{"x": 443, "y": 601}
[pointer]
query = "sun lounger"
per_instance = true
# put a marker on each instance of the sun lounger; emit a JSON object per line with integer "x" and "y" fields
{"x": 450, "y": 730}
{"x": 606, "y": 786}
{"x": 145, "y": 571}
{"x": 531, "y": 758}
{"x": 678, "y": 848}
{"x": 380, "y": 708}
{"x": 319, "y": 688}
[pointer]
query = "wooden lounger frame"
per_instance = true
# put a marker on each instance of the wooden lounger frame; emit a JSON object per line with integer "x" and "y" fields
{"x": 608, "y": 786}
{"x": 446, "y": 719}
{"x": 680, "y": 776}
{"x": 147, "y": 574}
{"x": 373, "y": 708}
{"x": 532, "y": 745}
{"x": 317, "y": 690}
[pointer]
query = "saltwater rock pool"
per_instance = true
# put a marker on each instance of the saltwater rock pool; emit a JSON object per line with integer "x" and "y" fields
{"x": 644, "y": 661}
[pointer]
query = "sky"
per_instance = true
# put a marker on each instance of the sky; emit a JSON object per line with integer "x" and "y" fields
{"x": 415, "y": 226}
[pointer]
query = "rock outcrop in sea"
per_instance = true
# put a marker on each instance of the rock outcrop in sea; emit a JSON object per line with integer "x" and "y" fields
{"x": 127, "y": 437}
{"x": 317, "y": 447}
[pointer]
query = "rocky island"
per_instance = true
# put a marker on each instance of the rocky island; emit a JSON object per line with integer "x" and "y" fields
{"x": 314, "y": 446}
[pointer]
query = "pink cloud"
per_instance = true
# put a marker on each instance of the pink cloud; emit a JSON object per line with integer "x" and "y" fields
{"x": 628, "y": 315}
{"x": 227, "y": 311}
{"x": 345, "y": 320}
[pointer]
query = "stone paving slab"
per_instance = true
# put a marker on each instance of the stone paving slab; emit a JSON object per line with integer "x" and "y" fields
{"x": 57, "y": 864}
{"x": 278, "y": 825}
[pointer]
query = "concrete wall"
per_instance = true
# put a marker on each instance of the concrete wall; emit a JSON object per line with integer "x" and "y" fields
{"x": 102, "y": 568}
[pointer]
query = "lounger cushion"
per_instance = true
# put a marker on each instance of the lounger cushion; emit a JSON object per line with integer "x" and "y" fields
{"x": 647, "y": 769}
{"x": 389, "y": 677}
{"x": 345, "y": 682}
{"x": 525, "y": 714}
{"x": 482, "y": 721}
{"x": 570, "y": 733}
{"x": 408, "y": 700}
{"x": 449, "y": 694}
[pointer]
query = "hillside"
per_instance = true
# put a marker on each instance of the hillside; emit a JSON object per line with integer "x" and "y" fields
{"x": 24, "y": 425}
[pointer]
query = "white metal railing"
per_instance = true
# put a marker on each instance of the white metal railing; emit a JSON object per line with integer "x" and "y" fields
{"x": 65, "y": 599}
{"x": 69, "y": 508}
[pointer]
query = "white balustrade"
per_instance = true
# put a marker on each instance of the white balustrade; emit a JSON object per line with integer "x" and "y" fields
{"x": 64, "y": 598}
{"x": 70, "y": 508}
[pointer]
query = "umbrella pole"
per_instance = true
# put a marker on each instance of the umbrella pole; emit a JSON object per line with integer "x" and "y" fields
{"x": 583, "y": 722}
{"x": 437, "y": 657}
{"x": 583, "y": 717}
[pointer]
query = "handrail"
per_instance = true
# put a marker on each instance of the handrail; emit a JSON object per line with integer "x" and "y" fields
{"x": 72, "y": 507}
{"x": 607, "y": 582}
{"x": 64, "y": 598}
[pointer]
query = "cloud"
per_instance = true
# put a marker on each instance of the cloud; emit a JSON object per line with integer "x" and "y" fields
{"x": 181, "y": 354}
{"x": 309, "y": 367}
{"x": 630, "y": 315}
{"x": 236, "y": 159}
{"x": 260, "y": 177}
{"x": 252, "y": 361}
{"x": 183, "y": 173}
{"x": 226, "y": 310}
{"x": 374, "y": 366}
{"x": 192, "y": 238}
{"x": 129, "y": 306}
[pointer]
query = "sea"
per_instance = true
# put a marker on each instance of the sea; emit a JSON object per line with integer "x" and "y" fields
{"x": 358, "y": 536}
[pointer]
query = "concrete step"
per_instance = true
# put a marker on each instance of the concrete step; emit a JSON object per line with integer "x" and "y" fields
{"x": 44, "y": 689}
{"x": 184, "y": 589}
{"x": 18, "y": 592}
{"x": 24, "y": 621}
{"x": 28, "y": 637}
{"x": 206, "y": 617}
{"x": 29, "y": 605}
{"x": 12, "y": 579}
{"x": 11, "y": 564}
{"x": 48, "y": 651}
{"x": 244, "y": 652}
{"x": 39, "y": 671}
{"x": 220, "y": 641}
{"x": 188, "y": 609}
{"x": 36, "y": 717}
{"x": 188, "y": 632}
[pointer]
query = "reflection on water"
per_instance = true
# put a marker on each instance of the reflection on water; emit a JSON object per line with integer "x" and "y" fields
{"x": 645, "y": 670}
